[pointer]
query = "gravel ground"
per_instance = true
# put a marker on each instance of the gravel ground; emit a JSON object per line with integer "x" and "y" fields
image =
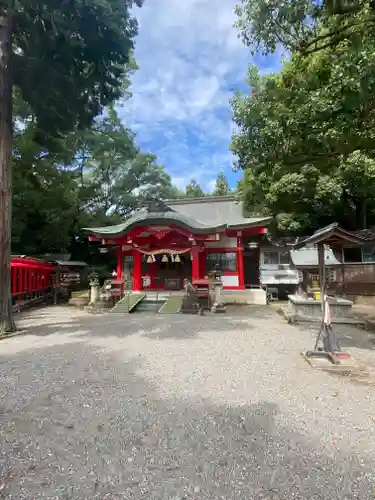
{"x": 178, "y": 407}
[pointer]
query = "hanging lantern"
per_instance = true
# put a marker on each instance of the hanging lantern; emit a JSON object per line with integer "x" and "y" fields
{"x": 177, "y": 258}
{"x": 164, "y": 258}
{"x": 172, "y": 258}
{"x": 149, "y": 259}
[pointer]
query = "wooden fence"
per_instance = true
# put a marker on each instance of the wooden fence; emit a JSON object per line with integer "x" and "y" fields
{"x": 32, "y": 281}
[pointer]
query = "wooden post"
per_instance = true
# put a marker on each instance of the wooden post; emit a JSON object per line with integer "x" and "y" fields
{"x": 322, "y": 273}
{"x": 240, "y": 267}
{"x": 20, "y": 285}
{"x": 137, "y": 276}
{"x": 343, "y": 270}
{"x": 195, "y": 263}
{"x": 152, "y": 274}
{"x": 119, "y": 268}
{"x": 56, "y": 284}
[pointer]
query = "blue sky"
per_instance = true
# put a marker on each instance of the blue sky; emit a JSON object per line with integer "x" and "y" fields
{"x": 190, "y": 61}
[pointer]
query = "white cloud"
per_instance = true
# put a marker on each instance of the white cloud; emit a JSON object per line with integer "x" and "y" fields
{"x": 190, "y": 61}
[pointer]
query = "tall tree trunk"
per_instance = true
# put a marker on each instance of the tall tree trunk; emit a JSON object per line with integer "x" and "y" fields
{"x": 6, "y": 133}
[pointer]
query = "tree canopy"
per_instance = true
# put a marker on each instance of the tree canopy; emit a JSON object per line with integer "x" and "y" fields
{"x": 305, "y": 135}
{"x": 98, "y": 177}
{"x": 193, "y": 190}
{"x": 221, "y": 185}
{"x": 69, "y": 58}
{"x": 302, "y": 26}
{"x": 65, "y": 61}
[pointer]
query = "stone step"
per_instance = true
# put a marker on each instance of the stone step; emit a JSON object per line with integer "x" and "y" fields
{"x": 80, "y": 294}
{"x": 157, "y": 296}
{"x": 78, "y": 301}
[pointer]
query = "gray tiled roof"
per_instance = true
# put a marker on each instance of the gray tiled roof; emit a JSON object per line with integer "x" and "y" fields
{"x": 332, "y": 235}
{"x": 213, "y": 210}
{"x": 200, "y": 214}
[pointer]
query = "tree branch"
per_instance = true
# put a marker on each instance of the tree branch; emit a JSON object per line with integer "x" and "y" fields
{"x": 334, "y": 36}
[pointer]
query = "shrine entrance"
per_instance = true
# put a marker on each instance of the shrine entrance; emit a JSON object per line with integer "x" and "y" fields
{"x": 166, "y": 271}
{"x": 163, "y": 243}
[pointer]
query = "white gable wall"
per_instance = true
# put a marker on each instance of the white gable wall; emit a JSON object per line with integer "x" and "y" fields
{"x": 224, "y": 242}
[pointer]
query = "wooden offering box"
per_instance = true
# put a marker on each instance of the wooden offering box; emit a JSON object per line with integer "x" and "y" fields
{"x": 202, "y": 286}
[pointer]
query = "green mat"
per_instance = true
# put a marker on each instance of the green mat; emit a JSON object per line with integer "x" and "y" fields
{"x": 133, "y": 300}
{"x": 172, "y": 305}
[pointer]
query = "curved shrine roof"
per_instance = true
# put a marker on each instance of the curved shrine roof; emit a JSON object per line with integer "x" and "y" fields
{"x": 200, "y": 215}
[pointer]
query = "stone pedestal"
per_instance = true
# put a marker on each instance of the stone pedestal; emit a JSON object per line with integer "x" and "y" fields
{"x": 302, "y": 309}
{"x": 95, "y": 294}
{"x": 190, "y": 305}
{"x": 218, "y": 306}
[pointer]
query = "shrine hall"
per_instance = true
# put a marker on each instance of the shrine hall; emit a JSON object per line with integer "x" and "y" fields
{"x": 165, "y": 242}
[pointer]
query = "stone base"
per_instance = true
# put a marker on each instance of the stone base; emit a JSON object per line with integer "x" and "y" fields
{"x": 101, "y": 306}
{"x": 218, "y": 308}
{"x": 190, "y": 305}
{"x": 311, "y": 310}
{"x": 78, "y": 302}
{"x": 250, "y": 296}
{"x": 345, "y": 363}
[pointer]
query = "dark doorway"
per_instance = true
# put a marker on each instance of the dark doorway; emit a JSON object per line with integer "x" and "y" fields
{"x": 169, "y": 274}
{"x": 251, "y": 267}
{"x": 172, "y": 270}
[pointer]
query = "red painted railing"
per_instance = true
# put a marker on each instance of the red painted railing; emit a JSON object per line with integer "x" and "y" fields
{"x": 32, "y": 280}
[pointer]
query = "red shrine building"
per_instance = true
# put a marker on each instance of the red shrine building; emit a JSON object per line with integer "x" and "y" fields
{"x": 167, "y": 241}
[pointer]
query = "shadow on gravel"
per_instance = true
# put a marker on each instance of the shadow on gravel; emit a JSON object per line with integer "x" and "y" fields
{"x": 155, "y": 326}
{"x": 348, "y": 335}
{"x": 79, "y": 424}
{"x": 185, "y": 326}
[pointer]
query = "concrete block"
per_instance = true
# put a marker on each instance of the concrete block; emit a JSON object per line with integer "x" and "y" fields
{"x": 252, "y": 296}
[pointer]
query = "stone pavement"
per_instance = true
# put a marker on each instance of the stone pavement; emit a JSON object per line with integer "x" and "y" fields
{"x": 178, "y": 407}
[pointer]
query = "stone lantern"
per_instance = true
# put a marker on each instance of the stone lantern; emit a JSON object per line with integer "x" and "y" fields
{"x": 95, "y": 288}
{"x": 216, "y": 285}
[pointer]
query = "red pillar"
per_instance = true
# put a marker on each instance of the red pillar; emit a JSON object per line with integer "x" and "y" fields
{"x": 241, "y": 275}
{"x": 20, "y": 284}
{"x": 13, "y": 271}
{"x": 120, "y": 259}
{"x": 195, "y": 263}
{"x": 137, "y": 271}
{"x": 20, "y": 280}
{"x": 202, "y": 264}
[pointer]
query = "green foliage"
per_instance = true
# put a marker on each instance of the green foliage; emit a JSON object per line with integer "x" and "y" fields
{"x": 44, "y": 195}
{"x": 221, "y": 185}
{"x": 305, "y": 135}
{"x": 96, "y": 176}
{"x": 303, "y": 26}
{"x": 193, "y": 190}
{"x": 114, "y": 176}
{"x": 70, "y": 59}
{"x": 175, "y": 193}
